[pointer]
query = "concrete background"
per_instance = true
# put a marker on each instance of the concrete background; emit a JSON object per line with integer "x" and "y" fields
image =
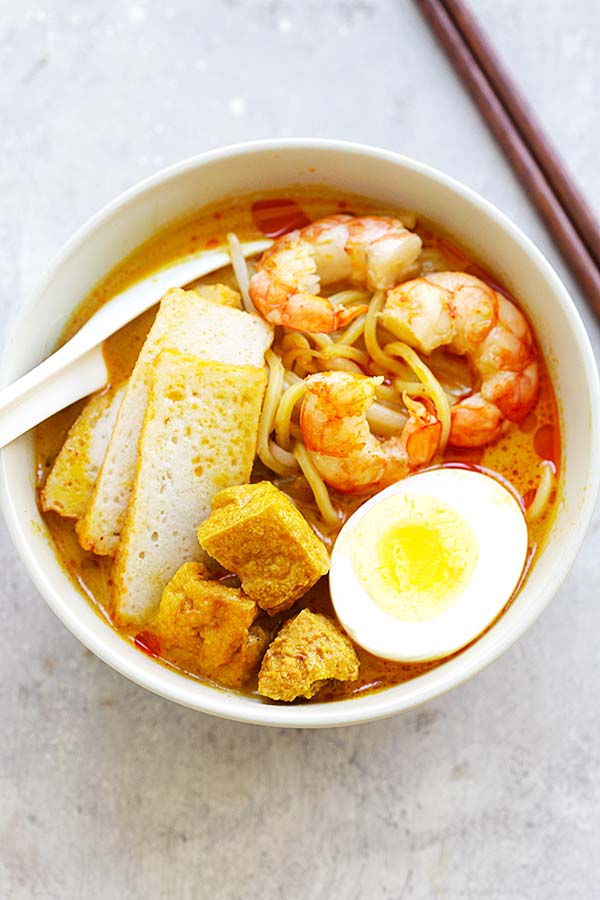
{"x": 490, "y": 793}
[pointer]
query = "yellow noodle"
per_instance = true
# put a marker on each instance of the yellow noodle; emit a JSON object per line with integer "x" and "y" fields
{"x": 414, "y": 388}
{"x": 346, "y": 352}
{"x": 327, "y": 356}
{"x": 294, "y": 339}
{"x": 282, "y": 456}
{"x": 291, "y": 357}
{"x": 339, "y": 364}
{"x": 298, "y": 352}
{"x": 269, "y": 409}
{"x": 268, "y": 413}
{"x": 291, "y": 378}
{"x": 283, "y": 418}
{"x": 288, "y": 359}
{"x": 326, "y": 350}
{"x": 304, "y": 369}
{"x": 347, "y": 298}
{"x": 408, "y": 387}
{"x": 388, "y": 394}
{"x": 430, "y": 382}
{"x": 543, "y": 492}
{"x": 317, "y": 485}
{"x": 353, "y": 332}
{"x": 321, "y": 341}
{"x": 293, "y": 342}
{"x": 370, "y": 334}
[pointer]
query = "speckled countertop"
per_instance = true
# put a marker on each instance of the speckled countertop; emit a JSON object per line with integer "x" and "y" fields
{"x": 490, "y": 793}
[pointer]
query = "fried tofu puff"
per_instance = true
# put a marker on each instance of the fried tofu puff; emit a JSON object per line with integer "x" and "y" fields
{"x": 307, "y": 652}
{"x": 209, "y": 629}
{"x": 256, "y": 531}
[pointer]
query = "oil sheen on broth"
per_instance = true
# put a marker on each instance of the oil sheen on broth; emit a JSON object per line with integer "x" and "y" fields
{"x": 514, "y": 458}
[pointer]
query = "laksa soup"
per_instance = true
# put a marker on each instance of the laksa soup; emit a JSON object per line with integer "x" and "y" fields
{"x": 312, "y": 474}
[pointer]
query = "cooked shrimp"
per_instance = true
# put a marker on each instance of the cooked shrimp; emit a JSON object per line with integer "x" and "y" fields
{"x": 373, "y": 251}
{"x": 333, "y": 421}
{"x": 460, "y": 312}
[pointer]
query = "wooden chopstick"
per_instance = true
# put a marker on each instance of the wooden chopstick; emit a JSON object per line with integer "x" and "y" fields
{"x": 521, "y": 157}
{"x": 530, "y": 128}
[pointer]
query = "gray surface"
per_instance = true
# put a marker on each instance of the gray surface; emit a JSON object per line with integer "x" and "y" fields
{"x": 109, "y": 792}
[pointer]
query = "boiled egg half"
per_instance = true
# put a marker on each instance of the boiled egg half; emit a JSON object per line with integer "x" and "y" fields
{"x": 422, "y": 568}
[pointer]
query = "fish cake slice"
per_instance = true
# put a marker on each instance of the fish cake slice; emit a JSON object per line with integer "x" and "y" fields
{"x": 191, "y": 324}
{"x": 199, "y": 436}
{"x": 72, "y": 477}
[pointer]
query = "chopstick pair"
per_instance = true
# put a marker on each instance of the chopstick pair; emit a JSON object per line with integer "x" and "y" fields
{"x": 535, "y": 162}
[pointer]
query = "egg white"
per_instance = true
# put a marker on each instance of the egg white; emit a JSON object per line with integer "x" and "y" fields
{"x": 496, "y": 519}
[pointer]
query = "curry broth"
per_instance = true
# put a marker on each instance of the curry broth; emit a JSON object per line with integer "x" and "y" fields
{"x": 514, "y": 458}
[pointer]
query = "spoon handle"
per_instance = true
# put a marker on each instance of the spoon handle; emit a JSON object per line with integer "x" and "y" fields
{"x": 77, "y": 368}
{"x": 52, "y": 389}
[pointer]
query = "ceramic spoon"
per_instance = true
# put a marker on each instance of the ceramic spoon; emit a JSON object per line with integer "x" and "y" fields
{"x": 78, "y": 367}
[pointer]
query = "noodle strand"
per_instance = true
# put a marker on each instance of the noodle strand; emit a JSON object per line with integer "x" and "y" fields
{"x": 283, "y": 417}
{"x": 353, "y": 332}
{"x": 347, "y": 298}
{"x": 543, "y": 492}
{"x": 317, "y": 485}
{"x": 363, "y": 347}
{"x": 370, "y": 334}
{"x": 388, "y": 394}
{"x": 430, "y": 382}
{"x": 240, "y": 267}
{"x": 264, "y": 448}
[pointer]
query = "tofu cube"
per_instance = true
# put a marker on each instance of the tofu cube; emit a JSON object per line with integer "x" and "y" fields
{"x": 308, "y": 652}
{"x": 209, "y": 629}
{"x": 256, "y": 531}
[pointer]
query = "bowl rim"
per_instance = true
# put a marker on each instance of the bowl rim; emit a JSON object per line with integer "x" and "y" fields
{"x": 224, "y": 704}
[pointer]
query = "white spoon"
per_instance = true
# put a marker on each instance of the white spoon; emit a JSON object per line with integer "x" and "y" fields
{"x": 78, "y": 367}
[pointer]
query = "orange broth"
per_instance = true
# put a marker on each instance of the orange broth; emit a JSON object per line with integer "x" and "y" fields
{"x": 514, "y": 458}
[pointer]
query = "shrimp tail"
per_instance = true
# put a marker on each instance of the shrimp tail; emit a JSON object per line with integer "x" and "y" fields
{"x": 421, "y": 435}
{"x": 513, "y": 392}
{"x": 317, "y": 314}
{"x": 459, "y": 311}
{"x": 333, "y": 421}
{"x": 475, "y": 422}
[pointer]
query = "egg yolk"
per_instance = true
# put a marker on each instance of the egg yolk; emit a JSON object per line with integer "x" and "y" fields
{"x": 414, "y": 555}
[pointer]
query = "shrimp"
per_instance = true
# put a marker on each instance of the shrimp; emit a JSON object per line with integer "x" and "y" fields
{"x": 373, "y": 251}
{"x": 333, "y": 421}
{"x": 460, "y": 312}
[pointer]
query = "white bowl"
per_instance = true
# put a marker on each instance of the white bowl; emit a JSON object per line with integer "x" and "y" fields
{"x": 384, "y": 176}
